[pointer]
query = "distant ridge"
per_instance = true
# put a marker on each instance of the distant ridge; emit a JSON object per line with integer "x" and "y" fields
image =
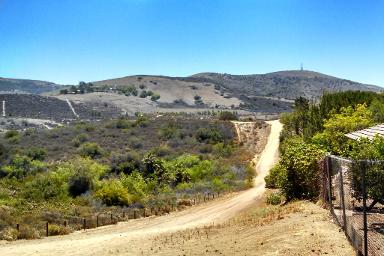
{"x": 26, "y": 86}
{"x": 285, "y": 84}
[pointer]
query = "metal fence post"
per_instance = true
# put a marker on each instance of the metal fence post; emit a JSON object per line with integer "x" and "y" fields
{"x": 363, "y": 170}
{"x": 329, "y": 166}
{"x": 343, "y": 201}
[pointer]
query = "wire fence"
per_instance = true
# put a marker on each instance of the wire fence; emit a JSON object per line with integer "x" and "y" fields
{"x": 354, "y": 191}
{"x": 57, "y": 224}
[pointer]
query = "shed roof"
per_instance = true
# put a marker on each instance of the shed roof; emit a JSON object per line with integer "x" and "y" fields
{"x": 369, "y": 133}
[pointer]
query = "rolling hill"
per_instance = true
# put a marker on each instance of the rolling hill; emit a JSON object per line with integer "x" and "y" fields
{"x": 26, "y": 86}
{"x": 284, "y": 84}
{"x": 271, "y": 92}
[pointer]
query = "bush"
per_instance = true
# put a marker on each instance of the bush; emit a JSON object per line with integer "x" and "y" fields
{"x": 137, "y": 186}
{"x": 155, "y": 97}
{"x": 22, "y": 166}
{"x": 28, "y": 232}
{"x": 46, "y": 187}
{"x": 10, "y": 134}
{"x": 272, "y": 179}
{"x": 90, "y": 149}
{"x": 36, "y": 153}
{"x": 9, "y": 234}
{"x": 56, "y": 230}
{"x": 298, "y": 173}
{"x": 274, "y": 199}
{"x": 143, "y": 94}
{"x": 228, "y": 115}
{"x": 223, "y": 150}
{"x": 78, "y": 185}
{"x": 125, "y": 163}
{"x": 135, "y": 142}
{"x": 112, "y": 192}
{"x": 212, "y": 135}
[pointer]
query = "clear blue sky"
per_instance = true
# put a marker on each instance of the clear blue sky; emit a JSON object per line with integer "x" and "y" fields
{"x": 66, "y": 41}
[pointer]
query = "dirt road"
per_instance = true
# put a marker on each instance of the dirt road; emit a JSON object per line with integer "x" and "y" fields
{"x": 107, "y": 239}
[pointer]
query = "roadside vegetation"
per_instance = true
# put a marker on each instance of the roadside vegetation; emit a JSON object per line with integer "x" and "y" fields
{"x": 313, "y": 130}
{"x": 89, "y": 168}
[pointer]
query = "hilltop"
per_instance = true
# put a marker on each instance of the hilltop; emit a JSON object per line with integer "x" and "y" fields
{"x": 268, "y": 93}
{"x": 27, "y": 86}
{"x": 263, "y": 95}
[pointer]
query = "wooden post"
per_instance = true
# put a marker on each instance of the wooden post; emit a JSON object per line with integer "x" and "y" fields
{"x": 144, "y": 213}
{"x": 84, "y": 222}
{"x": 65, "y": 223}
{"x": 97, "y": 221}
{"x": 46, "y": 229}
{"x": 111, "y": 218}
{"x": 18, "y": 227}
{"x": 134, "y": 214}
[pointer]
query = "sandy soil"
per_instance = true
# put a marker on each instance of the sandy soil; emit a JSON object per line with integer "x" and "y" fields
{"x": 112, "y": 238}
{"x": 301, "y": 228}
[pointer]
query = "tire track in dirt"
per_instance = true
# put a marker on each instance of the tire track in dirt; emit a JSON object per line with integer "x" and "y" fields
{"x": 111, "y": 238}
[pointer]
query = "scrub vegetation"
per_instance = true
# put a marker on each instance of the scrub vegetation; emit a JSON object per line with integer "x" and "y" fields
{"x": 86, "y": 168}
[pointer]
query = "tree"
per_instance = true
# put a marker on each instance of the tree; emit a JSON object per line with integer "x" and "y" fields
{"x": 333, "y": 138}
{"x": 298, "y": 171}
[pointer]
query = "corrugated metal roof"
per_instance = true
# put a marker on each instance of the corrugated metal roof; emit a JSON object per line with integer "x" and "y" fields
{"x": 369, "y": 133}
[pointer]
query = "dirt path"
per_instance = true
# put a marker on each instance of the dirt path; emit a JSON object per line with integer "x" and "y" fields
{"x": 111, "y": 238}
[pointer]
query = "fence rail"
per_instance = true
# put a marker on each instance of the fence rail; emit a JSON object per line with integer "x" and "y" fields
{"x": 73, "y": 223}
{"x": 353, "y": 191}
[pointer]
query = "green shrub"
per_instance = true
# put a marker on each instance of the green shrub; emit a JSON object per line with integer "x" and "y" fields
{"x": 56, "y": 230}
{"x": 46, "y": 187}
{"x": 299, "y": 169}
{"x": 274, "y": 198}
{"x": 143, "y": 94}
{"x": 212, "y": 135}
{"x": 21, "y": 166}
{"x": 272, "y": 179}
{"x": 168, "y": 131}
{"x": 228, "y": 115}
{"x": 112, "y": 192}
{"x": 125, "y": 163}
{"x": 155, "y": 97}
{"x": 135, "y": 142}
{"x": 10, "y": 134}
{"x": 90, "y": 149}
{"x": 223, "y": 150}
{"x": 137, "y": 186}
{"x": 36, "y": 153}
{"x": 79, "y": 184}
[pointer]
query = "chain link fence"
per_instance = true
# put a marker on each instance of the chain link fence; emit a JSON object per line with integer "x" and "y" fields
{"x": 354, "y": 191}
